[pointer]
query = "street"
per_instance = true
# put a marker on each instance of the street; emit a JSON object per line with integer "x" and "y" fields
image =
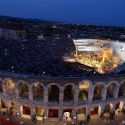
{"x": 117, "y": 121}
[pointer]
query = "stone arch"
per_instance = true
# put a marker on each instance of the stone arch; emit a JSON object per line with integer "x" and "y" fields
{"x": 115, "y": 82}
{"x": 37, "y": 83}
{"x": 98, "y": 83}
{"x": 53, "y": 92}
{"x": 54, "y": 84}
{"x": 70, "y": 84}
{"x": 122, "y": 81}
{"x": 69, "y": 90}
{"x": 23, "y": 89}
{"x": 37, "y": 90}
{"x": 39, "y": 112}
{"x": 6, "y": 79}
{"x": 98, "y": 90}
{"x": 22, "y": 81}
{"x": 84, "y": 87}
{"x": 10, "y": 86}
{"x": 86, "y": 80}
{"x": 111, "y": 89}
{"x": 122, "y": 89}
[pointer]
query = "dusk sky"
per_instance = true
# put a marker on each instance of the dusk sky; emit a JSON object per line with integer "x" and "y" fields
{"x": 99, "y": 12}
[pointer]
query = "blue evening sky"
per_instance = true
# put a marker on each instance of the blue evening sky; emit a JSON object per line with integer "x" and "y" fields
{"x": 100, "y": 12}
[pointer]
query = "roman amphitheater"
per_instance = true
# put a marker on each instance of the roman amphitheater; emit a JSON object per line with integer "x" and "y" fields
{"x": 54, "y": 97}
{"x": 57, "y": 93}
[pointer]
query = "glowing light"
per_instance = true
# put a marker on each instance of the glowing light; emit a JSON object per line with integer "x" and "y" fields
{"x": 84, "y": 85}
{"x": 98, "y": 54}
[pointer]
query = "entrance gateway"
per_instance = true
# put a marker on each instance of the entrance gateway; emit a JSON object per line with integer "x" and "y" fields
{"x": 81, "y": 114}
{"x": 67, "y": 115}
{"x": 95, "y": 112}
{"x": 53, "y": 114}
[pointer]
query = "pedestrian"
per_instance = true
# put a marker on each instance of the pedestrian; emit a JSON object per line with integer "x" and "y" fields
{"x": 88, "y": 118}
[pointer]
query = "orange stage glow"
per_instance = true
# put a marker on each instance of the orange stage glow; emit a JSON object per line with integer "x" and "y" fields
{"x": 103, "y": 61}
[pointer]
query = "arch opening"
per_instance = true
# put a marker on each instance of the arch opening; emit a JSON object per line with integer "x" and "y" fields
{"x": 122, "y": 90}
{"x": 23, "y": 90}
{"x": 67, "y": 115}
{"x": 69, "y": 93}
{"x": 98, "y": 91}
{"x": 10, "y": 87}
{"x": 38, "y": 92}
{"x": 25, "y": 110}
{"x": 111, "y": 90}
{"x": 53, "y": 113}
{"x": 83, "y": 91}
{"x": 81, "y": 114}
{"x": 40, "y": 113}
{"x": 53, "y": 93}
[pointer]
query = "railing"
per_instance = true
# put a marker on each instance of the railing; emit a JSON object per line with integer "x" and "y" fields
{"x": 68, "y": 102}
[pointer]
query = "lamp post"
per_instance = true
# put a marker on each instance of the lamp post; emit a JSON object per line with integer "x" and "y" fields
{"x": 74, "y": 120}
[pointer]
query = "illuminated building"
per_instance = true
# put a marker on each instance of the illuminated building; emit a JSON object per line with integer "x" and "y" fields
{"x": 12, "y": 34}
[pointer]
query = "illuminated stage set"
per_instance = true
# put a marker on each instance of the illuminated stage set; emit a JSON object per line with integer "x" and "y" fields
{"x": 104, "y": 56}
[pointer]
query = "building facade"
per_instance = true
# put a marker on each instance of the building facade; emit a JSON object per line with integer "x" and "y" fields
{"x": 13, "y": 34}
{"x": 55, "y": 97}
